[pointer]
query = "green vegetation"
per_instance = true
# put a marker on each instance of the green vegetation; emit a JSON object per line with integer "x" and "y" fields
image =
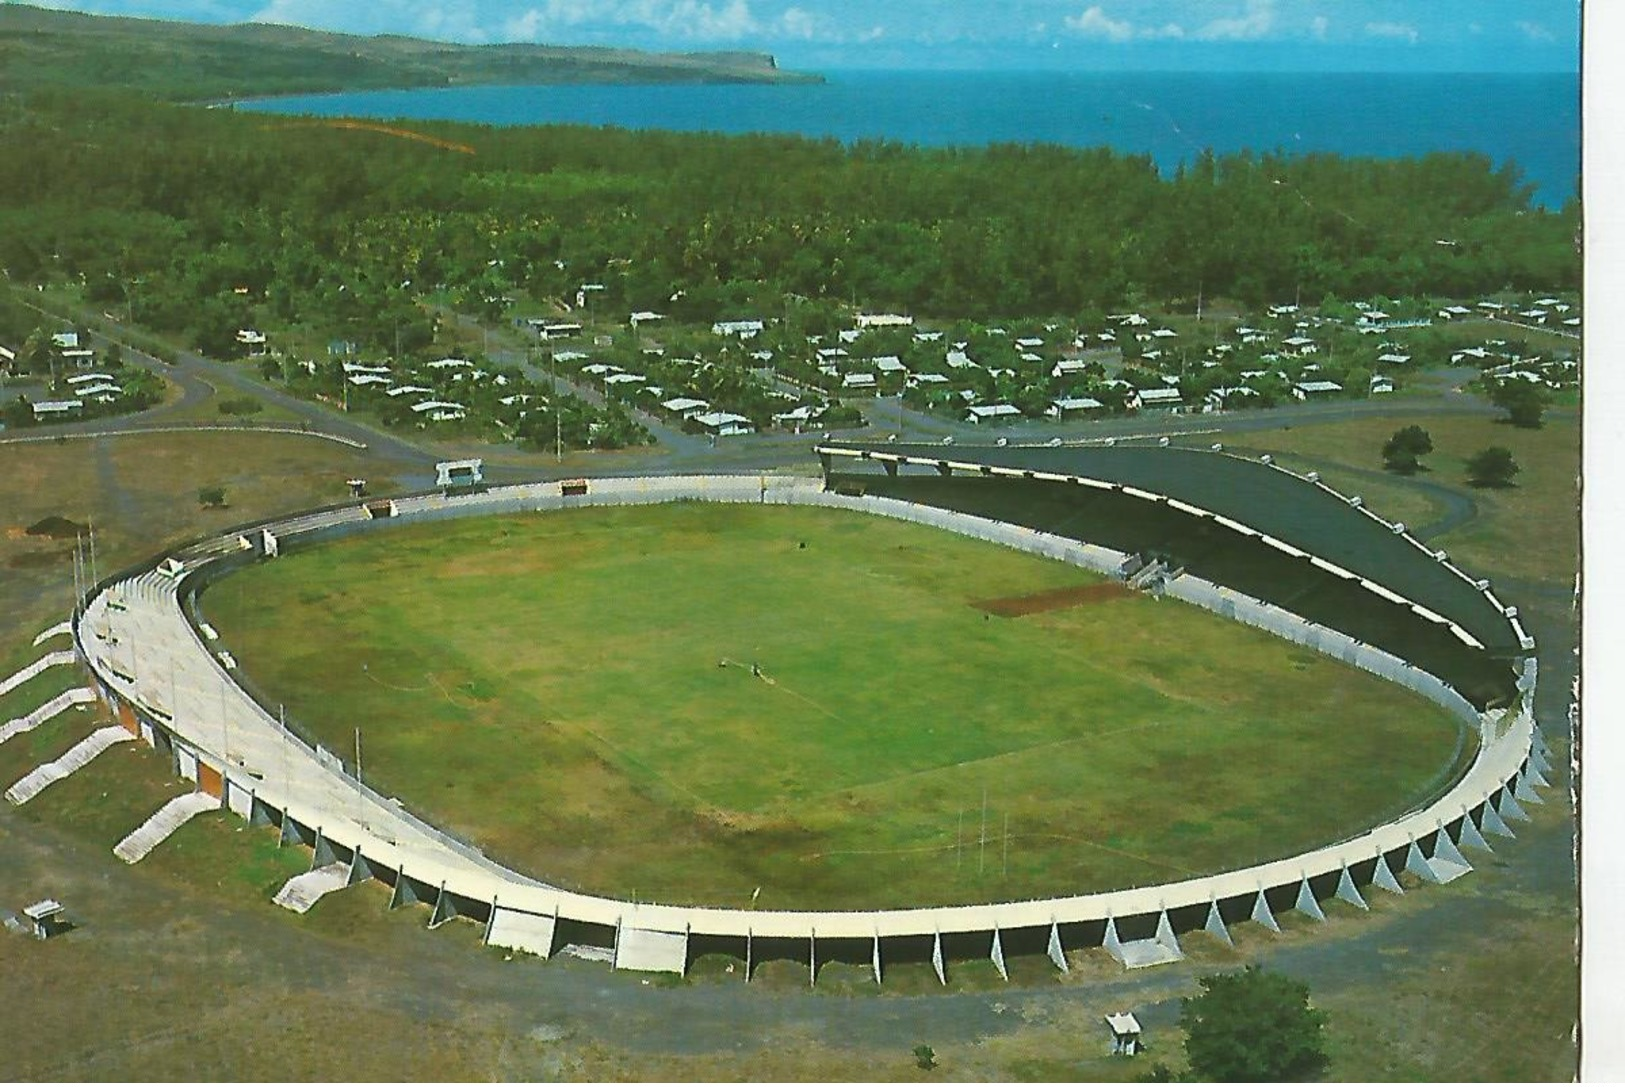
{"x": 1404, "y": 451}
{"x": 207, "y": 221}
{"x": 189, "y": 61}
{"x": 1523, "y": 401}
{"x": 1253, "y": 1027}
{"x": 684, "y": 704}
{"x": 1492, "y": 467}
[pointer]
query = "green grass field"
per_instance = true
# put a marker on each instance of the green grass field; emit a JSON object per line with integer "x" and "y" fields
{"x": 549, "y": 687}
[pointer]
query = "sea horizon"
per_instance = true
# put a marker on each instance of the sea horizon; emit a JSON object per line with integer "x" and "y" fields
{"x": 1531, "y": 119}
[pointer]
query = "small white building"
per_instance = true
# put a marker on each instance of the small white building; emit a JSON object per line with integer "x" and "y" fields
{"x": 686, "y": 406}
{"x": 252, "y": 339}
{"x": 744, "y": 330}
{"x": 1165, "y": 399}
{"x": 884, "y": 320}
{"x": 1068, "y": 406}
{"x": 440, "y": 411}
{"x": 1312, "y": 390}
{"x": 724, "y": 423}
{"x": 449, "y": 364}
{"x": 52, "y": 409}
{"x": 858, "y": 381}
{"x": 1125, "y": 1034}
{"x": 987, "y": 413}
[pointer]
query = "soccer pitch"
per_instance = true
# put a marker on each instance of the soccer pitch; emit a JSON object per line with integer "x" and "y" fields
{"x": 685, "y": 703}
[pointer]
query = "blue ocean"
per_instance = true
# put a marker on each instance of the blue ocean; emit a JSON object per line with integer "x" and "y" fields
{"x": 1531, "y": 120}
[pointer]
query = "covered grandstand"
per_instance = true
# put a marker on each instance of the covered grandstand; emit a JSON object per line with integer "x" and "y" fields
{"x": 1246, "y": 524}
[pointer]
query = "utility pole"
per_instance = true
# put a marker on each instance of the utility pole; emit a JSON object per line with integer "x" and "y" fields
{"x": 981, "y": 855}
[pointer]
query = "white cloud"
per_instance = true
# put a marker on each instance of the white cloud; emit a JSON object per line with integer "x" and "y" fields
{"x": 1095, "y": 23}
{"x": 1402, "y": 31}
{"x": 1536, "y": 32}
{"x": 1257, "y": 20}
{"x": 449, "y": 20}
{"x": 1318, "y": 26}
{"x": 702, "y": 20}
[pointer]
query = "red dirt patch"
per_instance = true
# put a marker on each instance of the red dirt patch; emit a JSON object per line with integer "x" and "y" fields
{"x": 1013, "y": 607}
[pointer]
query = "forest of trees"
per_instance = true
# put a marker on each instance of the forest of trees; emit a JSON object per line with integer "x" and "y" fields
{"x": 191, "y": 220}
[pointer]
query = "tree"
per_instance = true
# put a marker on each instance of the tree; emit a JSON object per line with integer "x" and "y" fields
{"x": 1492, "y": 467}
{"x": 925, "y": 1056}
{"x": 211, "y": 497}
{"x": 17, "y": 414}
{"x": 1253, "y": 1026}
{"x": 1402, "y": 453}
{"x": 1523, "y": 401}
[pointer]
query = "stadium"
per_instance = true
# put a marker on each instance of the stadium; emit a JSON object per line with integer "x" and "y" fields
{"x": 1244, "y": 540}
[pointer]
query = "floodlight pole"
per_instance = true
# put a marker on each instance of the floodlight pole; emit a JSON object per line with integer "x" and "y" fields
{"x": 981, "y": 855}
{"x": 358, "y": 798}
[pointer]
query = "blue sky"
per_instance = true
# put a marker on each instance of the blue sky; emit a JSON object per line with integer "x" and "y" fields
{"x": 1463, "y": 35}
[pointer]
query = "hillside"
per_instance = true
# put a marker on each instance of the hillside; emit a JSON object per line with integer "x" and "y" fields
{"x": 190, "y": 61}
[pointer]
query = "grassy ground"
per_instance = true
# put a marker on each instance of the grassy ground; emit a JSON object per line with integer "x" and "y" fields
{"x": 1499, "y": 540}
{"x": 569, "y": 664}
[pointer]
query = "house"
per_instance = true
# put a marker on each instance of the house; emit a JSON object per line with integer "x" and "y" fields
{"x": 1072, "y": 405}
{"x": 81, "y": 379}
{"x": 568, "y": 356}
{"x": 723, "y": 423}
{"x": 986, "y": 413}
{"x": 56, "y": 408}
{"x": 624, "y": 379}
{"x": 889, "y": 364}
{"x": 744, "y": 330}
{"x": 440, "y": 411}
{"x": 1450, "y": 313}
{"x": 1380, "y": 385}
{"x": 804, "y": 415}
{"x": 64, "y": 341}
{"x": 1229, "y": 396}
{"x": 1300, "y": 345}
{"x": 685, "y": 406}
{"x": 252, "y": 339}
{"x": 916, "y": 380}
{"x": 363, "y": 368}
{"x": 1164, "y": 399}
{"x": 927, "y": 337}
{"x": 449, "y": 364}
{"x": 958, "y": 360}
{"x": 829, "y": 354}
{"x": 849, "y": 335}
{"x": 1029, "y": 343}
{"x": 407, "y": 390}
{"x": 858, "y": 381}
{"x": 103, "y": 392}
{"x": 643, "y": 317}
{"x": 558, "y": 331}
{"x": 1394, "y": 360}
{"x": 884, "y": 320}
{"x": 1068, "y": 367}
{"x": 1306, "y": 390}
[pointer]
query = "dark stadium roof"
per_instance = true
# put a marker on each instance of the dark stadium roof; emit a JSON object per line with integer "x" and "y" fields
{"x": 1275, "y": 502}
